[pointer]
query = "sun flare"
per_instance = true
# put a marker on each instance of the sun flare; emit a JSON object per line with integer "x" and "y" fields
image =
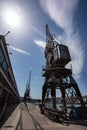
{"x": 12, "y": 18}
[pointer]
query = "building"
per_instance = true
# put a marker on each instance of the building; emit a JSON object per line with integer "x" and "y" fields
{"x": 8, "y": 88}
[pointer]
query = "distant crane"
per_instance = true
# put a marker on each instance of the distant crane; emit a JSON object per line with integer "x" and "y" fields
{"x": 27, "y": 90}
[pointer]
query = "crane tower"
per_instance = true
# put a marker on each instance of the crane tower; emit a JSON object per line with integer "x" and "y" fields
{"x": 57, "y": 76}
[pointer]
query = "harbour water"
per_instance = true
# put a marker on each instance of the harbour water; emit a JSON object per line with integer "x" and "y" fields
{"x": 49, "y": 105}
{"x": 31, "y": 105}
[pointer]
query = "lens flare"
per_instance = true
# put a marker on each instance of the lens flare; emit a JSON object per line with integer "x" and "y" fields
{"x": 12, "y": 18}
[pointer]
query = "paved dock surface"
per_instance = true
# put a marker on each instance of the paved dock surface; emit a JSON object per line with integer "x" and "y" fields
{"x": 32, "y": 119}
{"x": 12, "y": 115}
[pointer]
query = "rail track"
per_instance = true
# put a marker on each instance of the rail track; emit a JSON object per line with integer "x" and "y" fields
{"x": 35, "y": 124}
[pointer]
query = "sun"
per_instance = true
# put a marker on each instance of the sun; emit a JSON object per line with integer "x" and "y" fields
{"x": 12, "y": 18}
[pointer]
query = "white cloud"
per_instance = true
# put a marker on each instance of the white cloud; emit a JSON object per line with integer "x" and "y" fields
{"x": 40, "y": 43}
{"x": 19, "y": 50}
{"x": 37, "y": 31}
{"x": 62, "y": 13}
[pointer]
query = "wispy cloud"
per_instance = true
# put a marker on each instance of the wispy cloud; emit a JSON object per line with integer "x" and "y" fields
{"x": 40, "y": 43}
{"x": 19, "y": 50}
{"x": 37, "y": 31}
{"x": 62, "y": 13}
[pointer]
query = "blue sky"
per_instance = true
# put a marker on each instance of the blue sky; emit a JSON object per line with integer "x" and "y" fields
{"x": 67, "y": 20}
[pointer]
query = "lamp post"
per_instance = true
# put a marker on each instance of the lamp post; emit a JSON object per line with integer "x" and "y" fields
{"x": 6, "y": 33}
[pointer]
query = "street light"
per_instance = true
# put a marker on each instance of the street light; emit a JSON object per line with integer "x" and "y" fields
{"x": 6, "y": 33}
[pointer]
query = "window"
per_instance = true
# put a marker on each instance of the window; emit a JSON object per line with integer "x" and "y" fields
{"x": 1, "y": 56}
{"x": 4, "y": 65}
{"x": 3, "y": 62}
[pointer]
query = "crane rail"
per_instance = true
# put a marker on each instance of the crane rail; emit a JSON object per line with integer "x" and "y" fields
{"x": 28, "y": 114}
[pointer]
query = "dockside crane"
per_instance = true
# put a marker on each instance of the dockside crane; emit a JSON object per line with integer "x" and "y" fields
{"x": 27, "y": 90}
{"x": 57, "y": 76}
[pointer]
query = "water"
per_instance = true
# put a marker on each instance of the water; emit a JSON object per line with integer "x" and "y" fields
{"x": 49, "y": 105}
{"x": 60, "y": 106}
{"x": 31, "y": 105}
